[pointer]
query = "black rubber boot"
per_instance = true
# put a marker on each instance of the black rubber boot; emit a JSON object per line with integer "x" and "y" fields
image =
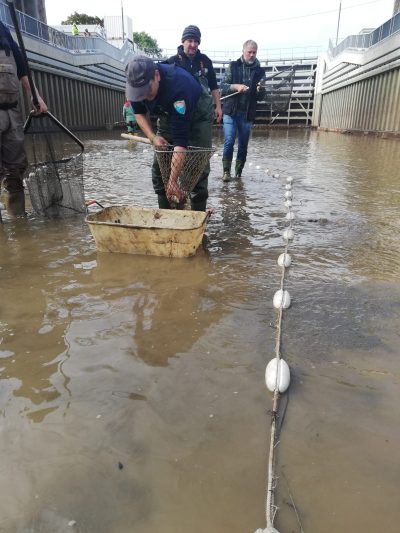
{"x": 239, "y": 165}
{"x": 163, "y": 202}
{"x": 15, "y": 203}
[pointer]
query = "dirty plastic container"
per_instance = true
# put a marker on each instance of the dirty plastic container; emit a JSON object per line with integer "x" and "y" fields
{"x": 146, "y": 231}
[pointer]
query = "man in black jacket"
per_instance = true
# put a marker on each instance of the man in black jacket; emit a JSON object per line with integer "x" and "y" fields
{"x": 13, "y": 161}
{"x": 190, "y": 58}
{"x": 242, "y": 81}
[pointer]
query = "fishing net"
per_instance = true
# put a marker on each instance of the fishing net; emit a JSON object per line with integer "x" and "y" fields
{"x": 55, "y": 175}
{"x": 278, "y": 91}
{"x": 189, "y": 165}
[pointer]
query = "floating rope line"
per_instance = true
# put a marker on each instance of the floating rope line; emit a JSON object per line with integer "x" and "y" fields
{"x": 277, "y": 373}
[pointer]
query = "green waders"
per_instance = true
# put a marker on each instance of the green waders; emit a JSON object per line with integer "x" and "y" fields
{"x": 13, "y": 161}
{"x": 200, "y": 135}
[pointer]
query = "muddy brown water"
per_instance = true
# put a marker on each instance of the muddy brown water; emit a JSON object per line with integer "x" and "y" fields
{"x": 132, "y": 394}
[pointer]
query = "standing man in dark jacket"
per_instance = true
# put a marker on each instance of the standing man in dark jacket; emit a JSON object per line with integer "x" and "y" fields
{"x": 241, "y": 80}
{"x": 199, "y": 65}
{"x": 13, "y": 160}
{"x": 184, "y": 111}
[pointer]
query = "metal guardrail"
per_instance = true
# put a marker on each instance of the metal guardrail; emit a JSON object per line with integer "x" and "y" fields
{"x": 74, "y": 44}
{"x": 366, "y": 40}
{"x": 267, "y": 54}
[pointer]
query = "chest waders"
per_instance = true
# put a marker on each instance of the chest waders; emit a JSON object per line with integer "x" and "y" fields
{"x": 200, "y": 135}
{"x": 9, "y": 83}
{"x": 13, "y": 161}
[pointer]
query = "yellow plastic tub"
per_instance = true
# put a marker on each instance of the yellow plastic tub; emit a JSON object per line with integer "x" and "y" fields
{"x": 146, "y": 231}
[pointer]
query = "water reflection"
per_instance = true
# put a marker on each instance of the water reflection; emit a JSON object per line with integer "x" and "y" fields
{"x": 32, "y": 328}
{"x": 169, "y": 311}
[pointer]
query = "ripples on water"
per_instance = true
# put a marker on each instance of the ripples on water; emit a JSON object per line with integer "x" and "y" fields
{"x": 345, "y": 198}
{"x": 84, "y": 336}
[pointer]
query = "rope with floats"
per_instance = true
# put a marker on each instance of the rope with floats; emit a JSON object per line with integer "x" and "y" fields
{"x": 277, "y": 373}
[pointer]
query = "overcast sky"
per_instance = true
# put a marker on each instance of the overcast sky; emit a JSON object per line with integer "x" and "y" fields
{"x": 225, "y": 26}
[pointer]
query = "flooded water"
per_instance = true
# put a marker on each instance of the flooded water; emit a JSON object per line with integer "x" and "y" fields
{"x": 132, "y": 393}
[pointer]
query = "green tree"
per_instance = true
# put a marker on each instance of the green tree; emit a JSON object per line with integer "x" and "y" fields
{"x": 147, "y": 43}
{"x": 82, "y": 18}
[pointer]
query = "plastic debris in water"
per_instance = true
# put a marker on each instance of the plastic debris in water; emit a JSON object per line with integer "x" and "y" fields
{"x": 288, "y": 195}
{"x": 290, "y": 215}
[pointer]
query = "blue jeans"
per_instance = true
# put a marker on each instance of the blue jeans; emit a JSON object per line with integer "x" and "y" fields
{"x": 232, "y": 125}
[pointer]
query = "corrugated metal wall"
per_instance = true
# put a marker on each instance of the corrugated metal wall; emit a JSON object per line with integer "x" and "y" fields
{"x": 78, "y": 105}
{"x": 372, "y": 104}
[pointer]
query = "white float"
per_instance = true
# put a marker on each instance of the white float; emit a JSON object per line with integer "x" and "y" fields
{"x": 288, "y": 187}
{"x": 257, "y": 167}
{"x": 288, "y": 195}
{"x": 288, "y": 234}
{"x": 288, "y": 203}
{"x": 268, "y": 529}
{"x": 290, "y": 215}
{"x": 277, "y": 375}
{"x": 281, "y": 299}
{"x": 284, "y": 260}
{"x": 289, "y": 179}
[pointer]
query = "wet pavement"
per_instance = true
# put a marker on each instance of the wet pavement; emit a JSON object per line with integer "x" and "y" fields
{"x": 132, "y": 393}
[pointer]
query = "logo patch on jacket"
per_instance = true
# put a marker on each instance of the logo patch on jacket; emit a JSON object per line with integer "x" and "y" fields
{"x": 180, "y": 107}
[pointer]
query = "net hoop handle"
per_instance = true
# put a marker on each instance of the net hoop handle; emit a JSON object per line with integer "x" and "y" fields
{"x": 34, "y": 114}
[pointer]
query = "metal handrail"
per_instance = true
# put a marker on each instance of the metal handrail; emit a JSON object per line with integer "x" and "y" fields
{"x": 267, "y": 54}
{"x": 73, "y": 44}
{"x": 363, "y": 41}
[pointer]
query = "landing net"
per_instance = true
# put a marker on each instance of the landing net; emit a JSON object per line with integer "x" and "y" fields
{"x": 279, "y": 91}
{"x": 55, "y": 176}
{"x": 188, "y": 165}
